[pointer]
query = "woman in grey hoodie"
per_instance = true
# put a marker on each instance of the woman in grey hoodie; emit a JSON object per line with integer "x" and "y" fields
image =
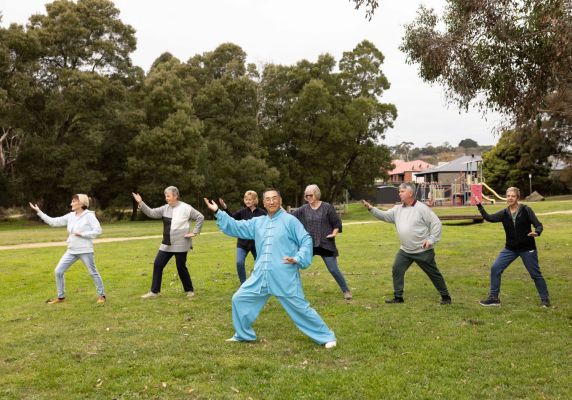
{"x": 83, "y": 227}
{"x": 176, "y": 238}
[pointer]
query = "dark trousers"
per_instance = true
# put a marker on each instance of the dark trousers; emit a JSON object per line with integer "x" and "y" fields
{"x": 530, "y": 261}
{"x": 161, "y": 261}
{"x": 426, "y": 261}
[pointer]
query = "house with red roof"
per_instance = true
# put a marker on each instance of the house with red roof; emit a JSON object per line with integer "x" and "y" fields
{"x": 404, "y": 170}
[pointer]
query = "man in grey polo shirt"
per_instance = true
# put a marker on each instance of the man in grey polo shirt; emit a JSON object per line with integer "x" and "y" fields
{"x": 419, "y": 229}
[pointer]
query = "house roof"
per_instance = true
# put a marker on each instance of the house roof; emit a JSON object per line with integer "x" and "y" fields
{"x": 461, "y": 164}
{"x": 404, "y": 166}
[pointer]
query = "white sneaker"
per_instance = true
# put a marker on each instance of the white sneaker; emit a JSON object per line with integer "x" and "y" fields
{"x": 232, "y": 339}
{"x": 190, "y": 293}
{"x": 331, "y": 344}
{"x": 150, "y": 295}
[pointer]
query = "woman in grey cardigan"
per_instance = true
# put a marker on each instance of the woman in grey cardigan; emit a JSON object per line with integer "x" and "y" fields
{"x": 323, "y": 224}
{"x": 176, "y": 238}
{"x": 83, "y": 227}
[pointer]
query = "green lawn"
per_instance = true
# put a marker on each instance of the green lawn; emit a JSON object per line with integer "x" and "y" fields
{"x": 173, "y": 348}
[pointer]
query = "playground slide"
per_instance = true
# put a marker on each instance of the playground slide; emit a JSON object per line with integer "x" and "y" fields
{"x": 492, "y": 191}
{"x": 493, "y": 201}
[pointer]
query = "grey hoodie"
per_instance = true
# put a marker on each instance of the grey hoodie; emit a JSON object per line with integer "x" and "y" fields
{"x": 85, "y": 223}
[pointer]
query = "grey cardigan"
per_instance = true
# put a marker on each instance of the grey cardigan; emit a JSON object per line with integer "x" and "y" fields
{"x": 175, "y": 225}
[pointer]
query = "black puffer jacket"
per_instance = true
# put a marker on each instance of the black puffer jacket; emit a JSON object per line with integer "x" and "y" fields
{"x": 517, "y": 238}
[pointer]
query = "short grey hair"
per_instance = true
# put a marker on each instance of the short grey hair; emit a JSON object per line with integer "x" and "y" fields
{"x": 515, "y": 190}
{"x": 173, "y": 190}
{"x": 314, "y": 189}
{"x": 408, "y": 186}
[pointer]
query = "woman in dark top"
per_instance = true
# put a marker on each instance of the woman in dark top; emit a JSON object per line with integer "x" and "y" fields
{"x": 323, "y": 224}
{"x": 243, "y": 246}
{"x": 516, "y": 220}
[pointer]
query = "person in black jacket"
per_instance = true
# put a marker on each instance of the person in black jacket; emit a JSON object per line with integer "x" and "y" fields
{"x": 244, "y": 246}
{"x": 516, "y": 220}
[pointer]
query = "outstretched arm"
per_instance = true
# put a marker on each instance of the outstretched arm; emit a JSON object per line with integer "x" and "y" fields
{"x": 55, "y": 222}
{"x": 496, "y": 217}
{"x": 387, "y": 216}
{"x": 155, "y": 213}
{"x": 243, "y": 229}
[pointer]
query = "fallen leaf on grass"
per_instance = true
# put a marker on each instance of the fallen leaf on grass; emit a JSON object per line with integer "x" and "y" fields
{"x": 191, "y": 390}
{"x": 164, "y": 384}
{"x": 509, "y": 322}
{"x": 235, "y": 389}
{"x": 99, "y": 382}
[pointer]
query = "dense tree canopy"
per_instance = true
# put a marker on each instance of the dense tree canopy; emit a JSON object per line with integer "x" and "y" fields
{"x": 77, "y": 116}
{"x": 325, "y": 127}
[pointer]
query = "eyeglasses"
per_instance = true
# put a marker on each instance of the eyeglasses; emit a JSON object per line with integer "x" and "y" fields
{"x": 309, "y": 195}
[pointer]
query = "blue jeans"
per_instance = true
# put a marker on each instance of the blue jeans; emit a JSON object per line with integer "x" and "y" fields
{"x": 240, "y": 262}
{"x": 66, "y": 261}
{"x": 332, "y": 265}
{"x": 530, "y": 260}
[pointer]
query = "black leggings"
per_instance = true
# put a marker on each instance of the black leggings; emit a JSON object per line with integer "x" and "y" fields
{"x": 161, "y": 261}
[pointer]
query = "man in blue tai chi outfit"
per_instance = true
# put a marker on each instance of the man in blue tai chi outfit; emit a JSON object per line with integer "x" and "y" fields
{"x": 283, "y": 247}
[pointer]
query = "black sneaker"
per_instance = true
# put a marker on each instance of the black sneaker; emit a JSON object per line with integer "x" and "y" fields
{"x": 445, "y": 300}
{"x": 545, "y": 303}
{"x": 394, "y": 300}
{"x": 490, "y": 302}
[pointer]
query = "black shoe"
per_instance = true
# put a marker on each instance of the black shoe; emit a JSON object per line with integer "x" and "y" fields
{"x": 490, "y": 302}
{"x": 545, "y": 303}
{"x": 394, "y": 300}
{"x": 445, "y": 300}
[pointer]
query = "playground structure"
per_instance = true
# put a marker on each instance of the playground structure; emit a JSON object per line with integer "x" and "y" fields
{"x": 462, "y": 191}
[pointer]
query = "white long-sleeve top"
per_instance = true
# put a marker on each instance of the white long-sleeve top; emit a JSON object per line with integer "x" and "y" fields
{"x": 414, "y": 224}
{"x": 86, "y": 224}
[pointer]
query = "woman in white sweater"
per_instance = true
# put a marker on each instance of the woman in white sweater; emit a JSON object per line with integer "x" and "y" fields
{"x": 176, "y": 238}
{"x": 83, "y": 227}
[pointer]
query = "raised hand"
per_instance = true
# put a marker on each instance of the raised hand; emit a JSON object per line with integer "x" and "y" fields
{"x": 211, "y": 205}
{"x": 137, "y": 198}
{"x": 34, "y": 207}
{"x": 366, "y": 205}
{"x": 222, "y": 203}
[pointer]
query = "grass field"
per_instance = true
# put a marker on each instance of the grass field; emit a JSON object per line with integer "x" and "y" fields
{"x": 174, "y": 348}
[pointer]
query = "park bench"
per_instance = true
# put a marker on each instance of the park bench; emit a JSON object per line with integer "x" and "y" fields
{"x": 475, "y": 218}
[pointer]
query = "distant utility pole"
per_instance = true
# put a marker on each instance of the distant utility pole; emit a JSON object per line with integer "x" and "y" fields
{"x": 530, "y": 182}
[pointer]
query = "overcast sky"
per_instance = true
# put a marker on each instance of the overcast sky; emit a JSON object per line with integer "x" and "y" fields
{"x": 286, "y": 31}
